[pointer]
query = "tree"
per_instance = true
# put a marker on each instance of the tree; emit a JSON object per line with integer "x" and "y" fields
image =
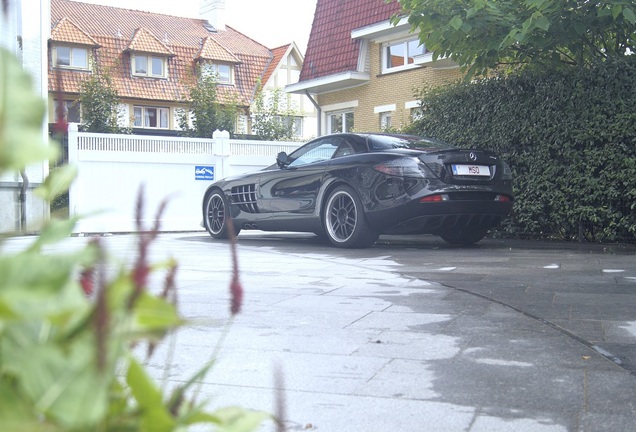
{"x": 273, "y": 116}
{"x": 99, "y": 102}
{"x": 481, "y": 35}
{"x": 205, "y": 110}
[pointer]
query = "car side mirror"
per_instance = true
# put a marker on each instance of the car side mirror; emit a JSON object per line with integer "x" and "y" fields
{"x": 282, "y": 159}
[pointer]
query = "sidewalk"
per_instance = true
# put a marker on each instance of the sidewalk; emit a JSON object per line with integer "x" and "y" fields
{"x": 406, "y": 336}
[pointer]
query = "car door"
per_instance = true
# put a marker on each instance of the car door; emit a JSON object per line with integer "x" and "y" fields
{"x": 295, "y": 187}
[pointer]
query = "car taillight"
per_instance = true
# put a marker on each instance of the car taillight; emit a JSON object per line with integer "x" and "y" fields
{"x": 507, "y": 172}
{"x": 404, "y": 167}
{"x": 502, "y": 198}
{"x": 434, "y": 198}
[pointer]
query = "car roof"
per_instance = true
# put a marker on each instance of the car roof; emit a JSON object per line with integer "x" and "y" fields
{"x": 381, "y": 141}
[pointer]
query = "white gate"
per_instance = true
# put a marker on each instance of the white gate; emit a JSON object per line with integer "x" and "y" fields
{"x": 113, "y": 168}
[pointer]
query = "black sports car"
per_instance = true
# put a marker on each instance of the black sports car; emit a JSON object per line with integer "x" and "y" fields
{"x": 352, "y": 187}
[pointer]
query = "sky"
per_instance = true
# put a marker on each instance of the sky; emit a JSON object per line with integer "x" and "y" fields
{"x": 270, "y": 22}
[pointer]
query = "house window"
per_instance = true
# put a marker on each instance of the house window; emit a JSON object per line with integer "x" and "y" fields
{"x": 416, "y": 113}
{"x": 241, "y": 124}
{"x": 385, "y": 121}
{"x": 70, "y": 110}
{"x": 221, "y": 72}
{"x": 151, "y": 66}
{"x": 297, "y": 125}
{"x": 295, "y": 122}
{"x": 71, "y": 57}
{"x": 340, "y": 122}
{"x": 401, "y": 55}
{"x": 151, "y": 117}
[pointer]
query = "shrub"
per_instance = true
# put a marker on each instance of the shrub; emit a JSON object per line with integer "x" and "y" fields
{"x": 569, "y": 137}
{"x": 67, "y": 326}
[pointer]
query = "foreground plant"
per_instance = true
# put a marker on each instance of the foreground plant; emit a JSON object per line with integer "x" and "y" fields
{"x": 68, "y": 327}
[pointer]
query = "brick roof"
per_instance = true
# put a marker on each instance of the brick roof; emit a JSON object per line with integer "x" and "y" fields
{"x": 330, "y": 49}
{"x": 117, "y": 30}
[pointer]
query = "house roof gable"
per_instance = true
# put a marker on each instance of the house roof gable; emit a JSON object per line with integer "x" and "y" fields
{"x": 144, "y": 41}
{"x": 279, "y": 54}
{"x": 212, "y": 50}
{"x": 67, "y": 31}
{"x": 331, "y": 50}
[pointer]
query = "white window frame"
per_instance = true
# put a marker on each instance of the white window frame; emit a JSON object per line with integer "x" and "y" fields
{"x": 222, "y": 72}
{"x": 73, "y": 57}
{"x": 242, "y": 122}
{"x": 66, "y": 104}
{"x": 296, "y": 123}
{"x": 298, "y": 126}
{"x": 149, "y": 66}
{"x": 141, "y": 117}
{"x": 386, "y": 115}
{"x": 415, "y": 109}
{"x": 344, "y": 116}
{"x": 410, "y": 49}
{"x": 386, "y": 120}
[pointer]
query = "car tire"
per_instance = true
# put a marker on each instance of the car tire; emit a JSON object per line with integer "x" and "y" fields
{"x": 345, "y": 223}
{"x": 463, "y": 238}
{"x": 215, "y": 213}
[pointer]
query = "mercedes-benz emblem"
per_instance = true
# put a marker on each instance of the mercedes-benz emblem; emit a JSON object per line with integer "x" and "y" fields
{"x": 472, "y": 156}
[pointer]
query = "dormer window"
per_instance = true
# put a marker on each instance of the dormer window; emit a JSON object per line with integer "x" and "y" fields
{"x": 401, "y": 55}
{"x": 223, "y": 73}
{"x": 71, "y": 57}
{"x": 149, "y": 66}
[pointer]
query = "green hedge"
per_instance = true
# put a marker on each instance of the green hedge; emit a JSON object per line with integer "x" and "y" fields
{"x": 569, "y": 137}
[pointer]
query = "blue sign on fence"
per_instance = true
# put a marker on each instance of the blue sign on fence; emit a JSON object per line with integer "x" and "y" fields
{"x": 204, "y": 173}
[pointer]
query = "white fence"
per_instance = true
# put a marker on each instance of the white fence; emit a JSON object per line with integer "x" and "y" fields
{"x": 114, "y": 168}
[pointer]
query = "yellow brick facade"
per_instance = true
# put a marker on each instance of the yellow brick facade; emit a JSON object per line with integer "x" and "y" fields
{"x": 396, "y": 88}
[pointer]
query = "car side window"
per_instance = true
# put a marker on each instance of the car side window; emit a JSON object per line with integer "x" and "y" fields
{"x": 344, "y": 149}
{"x": 315, "y": 152}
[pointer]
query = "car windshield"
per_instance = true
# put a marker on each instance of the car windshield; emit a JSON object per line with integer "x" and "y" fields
{"x": 388, "y": 142}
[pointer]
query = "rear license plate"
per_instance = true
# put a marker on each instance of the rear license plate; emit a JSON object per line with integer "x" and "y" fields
{"x": 471, "y": 170}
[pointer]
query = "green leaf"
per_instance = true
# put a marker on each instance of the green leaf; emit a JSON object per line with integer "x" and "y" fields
{"x": 142, "y": 386}
{"x": 155, "y": 416}
{"x": 456, "y": 22}
{"x": 22, "y": 140}
{"x": 542, "y": 22}
{"x": 54, "y": 231}
{"x": 154, "y": 313}
{"x": 234, "y": 419}
{"x": 510, "y": 38}
{"x": 57, "y": 182}
{"x": 13, "y": 410}
{"x": 629, "y": 15}
{"x": 61, "y": 383}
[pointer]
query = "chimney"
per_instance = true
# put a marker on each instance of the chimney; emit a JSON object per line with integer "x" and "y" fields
{"x": 214, "y": 12}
